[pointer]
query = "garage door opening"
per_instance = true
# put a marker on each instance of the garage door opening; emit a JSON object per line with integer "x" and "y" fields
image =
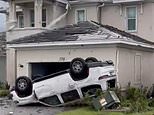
{"x": 43, "y": 69}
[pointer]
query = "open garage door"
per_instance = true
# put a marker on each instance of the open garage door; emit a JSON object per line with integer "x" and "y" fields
{"x": 47, "y": 68}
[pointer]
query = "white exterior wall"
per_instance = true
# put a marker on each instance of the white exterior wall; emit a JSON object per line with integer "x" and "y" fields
{"x": 91, "y": 13}
{"x": 112, "y": 15}
{"x": 123, "y": 58}
{"x": 11, "y": 66}
{"x": 24, "y": 57}
{"x": 126, "y": 67}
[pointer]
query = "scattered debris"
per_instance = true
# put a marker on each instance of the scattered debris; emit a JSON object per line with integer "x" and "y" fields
{"x": 109, "y": 101}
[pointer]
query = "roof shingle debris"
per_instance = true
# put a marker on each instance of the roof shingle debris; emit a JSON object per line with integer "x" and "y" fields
{"x": 83, "y": 31}
{"x": 125, "y": 34}
{"x": 67, "y": 33}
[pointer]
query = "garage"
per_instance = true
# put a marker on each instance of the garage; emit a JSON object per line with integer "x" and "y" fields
{"x": 47, "y": 68}
{"x": 44, "y": 53}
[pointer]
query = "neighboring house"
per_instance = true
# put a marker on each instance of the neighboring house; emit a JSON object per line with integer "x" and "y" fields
{"x": 2, "y": 57}
{"x": 31, "y": 17}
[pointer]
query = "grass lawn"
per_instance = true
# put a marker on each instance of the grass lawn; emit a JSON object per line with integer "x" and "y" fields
{"x": 88, "y": 111}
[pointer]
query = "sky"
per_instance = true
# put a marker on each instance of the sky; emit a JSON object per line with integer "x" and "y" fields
{"x": 2, "y": 17}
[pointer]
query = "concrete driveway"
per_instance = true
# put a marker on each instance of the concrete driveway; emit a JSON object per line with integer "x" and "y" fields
{"x": 9, "y": 108}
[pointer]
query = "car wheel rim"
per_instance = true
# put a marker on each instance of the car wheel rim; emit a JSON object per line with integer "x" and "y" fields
{"x": 22, "y": 84}
{"x": 77, "y": 66}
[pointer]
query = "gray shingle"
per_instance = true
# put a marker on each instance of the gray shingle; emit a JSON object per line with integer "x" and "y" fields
{"x": 81, "y": 31}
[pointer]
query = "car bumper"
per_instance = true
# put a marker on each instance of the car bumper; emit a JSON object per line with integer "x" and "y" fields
{"x": 23, "y": 100}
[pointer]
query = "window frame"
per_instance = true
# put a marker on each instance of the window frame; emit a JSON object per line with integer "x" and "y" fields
{"x": 76, "y": 14}
{"x": 136, "y": 18}
{"x": 34, "y": 17}
{"x": 45, "y": 16}
{"x": 31, "y": 17}
{"x": 19, "y": 20}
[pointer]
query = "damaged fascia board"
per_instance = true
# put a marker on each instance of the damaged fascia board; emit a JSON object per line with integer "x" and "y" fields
{"x": 71, "y": 43}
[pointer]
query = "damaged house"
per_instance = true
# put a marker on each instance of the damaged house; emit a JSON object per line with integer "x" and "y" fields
{"x": 52, "y": 50}
{"x": 45, "y": 35}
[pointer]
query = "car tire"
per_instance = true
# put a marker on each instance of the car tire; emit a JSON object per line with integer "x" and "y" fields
{"x": 23, "y": 86}
{"x": 91, "y": 59}
{"x": 79, "y": 69}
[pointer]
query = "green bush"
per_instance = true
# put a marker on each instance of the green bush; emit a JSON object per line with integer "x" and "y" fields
{"x": 4, "y": 89}
{"x": 4, "y": 93}
{"x": 4, "y": 85}
{"x": 136, "y": 99}
{"x": 151, "y": 102}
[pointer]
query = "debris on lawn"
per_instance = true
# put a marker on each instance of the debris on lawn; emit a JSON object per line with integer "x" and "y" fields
{"x": 109, "y": 101}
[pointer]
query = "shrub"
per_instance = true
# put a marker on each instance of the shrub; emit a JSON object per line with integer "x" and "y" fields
{"x": 136, "y": 99}
{"x": 4, "y": 89}
{"x": 4, "y": 93}
{"x": 151, "y": 102}
{"x": 4, "y": 85}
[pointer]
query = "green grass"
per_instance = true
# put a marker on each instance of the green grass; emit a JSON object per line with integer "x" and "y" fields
{"x": 88, "y": 111}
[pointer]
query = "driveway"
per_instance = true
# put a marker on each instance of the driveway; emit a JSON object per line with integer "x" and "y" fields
{"x": 9, "y": 108}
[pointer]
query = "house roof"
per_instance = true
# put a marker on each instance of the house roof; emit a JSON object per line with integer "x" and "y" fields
{"x": 84, "y": 32}
{"x": 67, "y": 33}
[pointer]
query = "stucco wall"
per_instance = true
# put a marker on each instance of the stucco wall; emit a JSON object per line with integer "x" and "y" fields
{"x": 126, "y": 67}
{"x": 91, "y": 13}
{"x": 10, "y": 65}
{"x": 60, "y": 54}
{"x": 123, "y": 58}
{"x": 112, "y": 15}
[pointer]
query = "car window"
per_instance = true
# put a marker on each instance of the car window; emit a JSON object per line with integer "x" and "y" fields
{"x": 53, "y": 100}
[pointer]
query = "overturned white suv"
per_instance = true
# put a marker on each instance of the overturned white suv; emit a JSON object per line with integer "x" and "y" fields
{"x": 66, "y": 86}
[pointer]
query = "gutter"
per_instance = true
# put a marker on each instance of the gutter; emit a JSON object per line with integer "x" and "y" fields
{"x": 71, "y": 43}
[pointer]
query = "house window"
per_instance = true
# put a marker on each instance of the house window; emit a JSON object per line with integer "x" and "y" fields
{"x": 131, "y": 18}
{"x": 32, "y": 18}
{"x": 80, "y": 15}
{"x": 32, "y": 23}
{"x": 20, "y": 21}
{"x": 43, "y": 17}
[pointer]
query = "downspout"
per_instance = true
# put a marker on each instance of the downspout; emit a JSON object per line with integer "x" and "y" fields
{"x": 117, "y": 67}
{"x": 99, "y": 12}
{"x": 59, "y": 18}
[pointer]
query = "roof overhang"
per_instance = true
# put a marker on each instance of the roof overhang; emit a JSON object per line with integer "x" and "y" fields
{"x": 80, "y": 43}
